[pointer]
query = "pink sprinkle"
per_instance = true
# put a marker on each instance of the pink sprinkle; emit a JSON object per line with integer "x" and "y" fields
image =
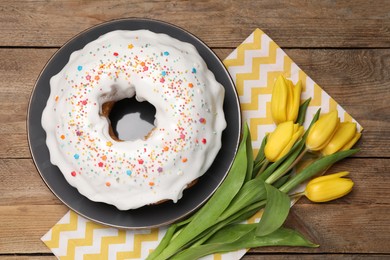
{"x": 146, "y": 68}
{"x": 182, "y": 136}
{"x": 204, "y": 141}
{"x": 73, "y": 173}
{"x": 88, "y": 77}
{"x": 140, "y": 161}
{"x": 162, "y": 80}
{"x": 84, "y": 102}
{"x": 100, "y": 164}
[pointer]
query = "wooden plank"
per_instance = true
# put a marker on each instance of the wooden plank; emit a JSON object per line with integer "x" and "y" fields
{"x": 21, "y": 184}
{"x": 28, "y": 211}
{"x": 361, "y": 89}
{"x": 317, "y": 23}
{"x": 28, "y": 257}
{"x": 21, "y": 227}
{"x": 338, "y": 229}
{"x": 282, "y": 256}
{"x": 248, "y": 256}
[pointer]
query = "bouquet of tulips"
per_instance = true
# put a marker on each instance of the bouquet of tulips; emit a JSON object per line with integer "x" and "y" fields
{"x": 267, "y": 182}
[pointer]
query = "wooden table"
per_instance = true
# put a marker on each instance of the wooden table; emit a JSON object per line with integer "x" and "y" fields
{"x": 343, "y": 45}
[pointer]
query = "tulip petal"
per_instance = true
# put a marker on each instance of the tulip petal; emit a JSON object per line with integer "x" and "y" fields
{"x": 278, "y": 139}
{"x": 328, "y": 190}
{"x": 279, "y": 100}
{"x": 298, "y": 131}
{"x": 322, "y": 131}
{"x": 292, "y": 113}
{"x": 329, "y": 177}
{"x": 349, "y": 145}
{"x": 344, "y": 133}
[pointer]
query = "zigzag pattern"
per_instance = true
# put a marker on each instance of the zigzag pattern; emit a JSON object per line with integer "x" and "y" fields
{"x": 254, "y": 66}
{"x": 75, "y": 237}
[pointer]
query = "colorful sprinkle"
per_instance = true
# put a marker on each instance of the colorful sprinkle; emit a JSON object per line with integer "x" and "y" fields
{"x": 184, "y": 160}
{"x": 190, "y": 85}
{"x": 140, "y": 161}
{"x": 202, "y": 120}
{"x": 159, "y": 169}
{"x": 166, "y": 53}
{"x": 62, "y": 137}
{"x": 130, "y": 46}
{"x": 128, "y": 172}
{"x": 79, "y": 68}
{"x": 116, "y": 54}
{"x": 151, "y": 183}
{"x": 56, "y": 98}
{"x": 73, "y": 174}
{"x": 162, "y": 80}
{"x": 193, "y": 70}
{"x": 108, "y": 184}
{"x": 109, "y": 143}
{"x": 76, "y": 156}
{"x": 204, "y": 141}
{"x": 88, "y": 77}
{"x": 163, "y": 73}
{"x": 104, "y": 157}
{"x": 101, "y": 164}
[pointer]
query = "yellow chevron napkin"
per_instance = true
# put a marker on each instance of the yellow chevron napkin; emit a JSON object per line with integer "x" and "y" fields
{"x": 254, "y": 66}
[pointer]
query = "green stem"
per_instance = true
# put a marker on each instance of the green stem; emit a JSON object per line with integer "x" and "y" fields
{"x": 164, "y": 242}
{"x": 263, "y": 167}
{"x": 315, "y": 168}
{"x": 286, "y": 166}
{"x": 252, "y": 209}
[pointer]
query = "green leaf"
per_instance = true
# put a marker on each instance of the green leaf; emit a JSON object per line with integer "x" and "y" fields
{"x": 270, "y": 169}
{"x": 252, "y": 191}
{"x": 281, "y": 237}
{"x": 282, "y": 180}
{"x": 315, "y": 168}
{"x": 302, "y": 111}
{"x": 249, "y": 158}
{"x": 287, "y": 164}
{"x": 275, "y": 212}
{"x": 260, "y": 154}
{"x": 208, "y": 214}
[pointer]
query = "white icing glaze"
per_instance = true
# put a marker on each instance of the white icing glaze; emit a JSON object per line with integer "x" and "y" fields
{"x": 167, "y": 73}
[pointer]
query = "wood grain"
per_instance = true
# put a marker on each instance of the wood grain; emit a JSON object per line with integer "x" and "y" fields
{"x": 22, "y": 185}
{"x": 25, "y": 197}
{"x": 362, "y": 90}
{"x": 344, "y": 46}
{"x": 219, "y": 23}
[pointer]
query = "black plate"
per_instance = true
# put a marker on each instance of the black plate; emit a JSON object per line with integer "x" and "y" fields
{"x": 148, "y": 216}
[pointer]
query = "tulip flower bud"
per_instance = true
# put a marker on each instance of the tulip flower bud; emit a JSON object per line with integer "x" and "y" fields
{"x": 329, "y": 187}
{"x": 344, "y": 138}
{"x": 322, "y": 131}
{"x": 280, "y": 141}
{"x": 285, "y": 100}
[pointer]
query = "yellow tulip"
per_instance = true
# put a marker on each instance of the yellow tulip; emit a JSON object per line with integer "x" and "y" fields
{"x": 285, "y": 100}
{"x": 280, "y": 141}
{"x": 344, "y": 138}
{"x": 322, "y": 131}
{"x": 329, "y": 187}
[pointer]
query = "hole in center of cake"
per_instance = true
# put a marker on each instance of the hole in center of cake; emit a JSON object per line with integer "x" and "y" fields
{"x": 131, "y": 120}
